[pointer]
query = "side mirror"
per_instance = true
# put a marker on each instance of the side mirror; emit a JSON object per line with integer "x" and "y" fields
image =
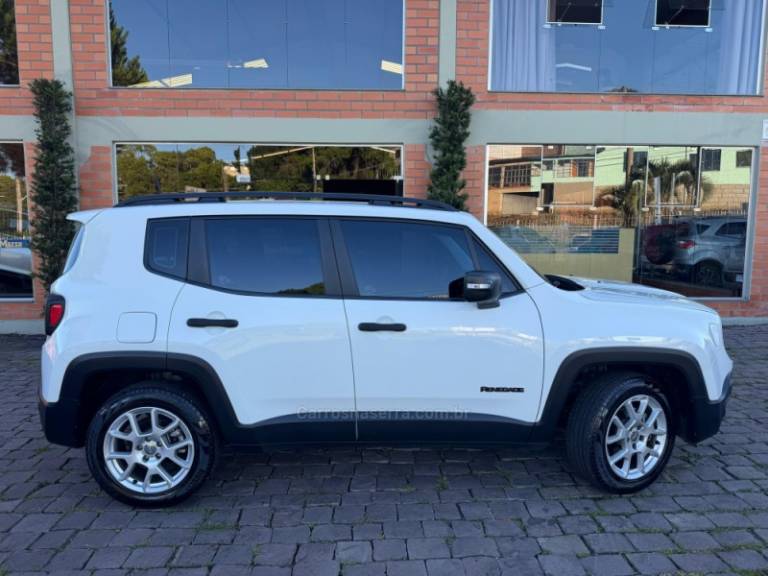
{"x": 483, "y": 288}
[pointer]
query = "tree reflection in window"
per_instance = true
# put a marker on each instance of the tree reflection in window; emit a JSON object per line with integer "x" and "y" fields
{"x": 9, "y": 58}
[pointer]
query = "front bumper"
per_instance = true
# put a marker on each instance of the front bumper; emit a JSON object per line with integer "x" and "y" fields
{"x": 60, "y": 421}
{"x": 705, "y": 416}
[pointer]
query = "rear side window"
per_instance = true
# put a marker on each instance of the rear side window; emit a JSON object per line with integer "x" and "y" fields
{"x": 278, "y": 256}
{"x": 166, "y": 249}
{"x": 407, "y": 260}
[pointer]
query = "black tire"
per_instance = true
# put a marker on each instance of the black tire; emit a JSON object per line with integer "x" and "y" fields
{"x": 588, "y": 425}
{"x": 708, "y": 273}
{"x": 153, "y": 395}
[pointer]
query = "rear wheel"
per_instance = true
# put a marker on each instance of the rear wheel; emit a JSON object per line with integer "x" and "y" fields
{"x": 150, "y": 446}
{"x": 620, "y": 433}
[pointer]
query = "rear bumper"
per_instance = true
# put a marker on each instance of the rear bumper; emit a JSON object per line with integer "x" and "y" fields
{"x": 60, "y": 422}
{"x": 706, "y": 416}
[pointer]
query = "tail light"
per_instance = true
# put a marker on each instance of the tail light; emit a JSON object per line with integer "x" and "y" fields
{"x": 54, "y": 312}
{"x": 686, "y": 244}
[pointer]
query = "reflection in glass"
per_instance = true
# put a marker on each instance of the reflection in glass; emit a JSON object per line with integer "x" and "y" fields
{"x": 567, "y": 176}
{"x": 697, "y": 50}
{"x": 318, "y": 44}
{"x": 161, "y": 168}
{"x": 9, "y": 58}
{"x": 15, "y": 252}
{"x": 673, "y": 217}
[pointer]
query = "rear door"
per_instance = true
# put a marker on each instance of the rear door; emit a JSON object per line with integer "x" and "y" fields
{"x": 263, "y": 309}
{"x": 438, "y": 368}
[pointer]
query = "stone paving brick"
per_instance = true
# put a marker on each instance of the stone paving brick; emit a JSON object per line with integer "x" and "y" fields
{"x": 651, "y": 563}
{"x": 388, "y": 511}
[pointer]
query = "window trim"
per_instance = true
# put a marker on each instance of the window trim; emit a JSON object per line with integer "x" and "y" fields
{"x": 111, "y": 86}
{"x": 199, "y": 274}
{"x": 761, "y": 75}
{"x": 346, "y": 272}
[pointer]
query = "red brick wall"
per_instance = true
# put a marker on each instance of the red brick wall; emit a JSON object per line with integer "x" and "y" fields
{"x": 33, "y": 36}
{"x": 94, "y": 96}
{"x": 96, "y": 190}
{"x": 35, "y": 48}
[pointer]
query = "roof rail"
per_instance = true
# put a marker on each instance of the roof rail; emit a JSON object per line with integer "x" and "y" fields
{"x": 378, "y": 200}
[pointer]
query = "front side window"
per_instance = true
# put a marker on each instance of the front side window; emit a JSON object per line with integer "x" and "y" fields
{"x": 274, "y": 256}
{"x": 407, "y": 260}
{"x": 15, "y": 237}
{"x": 9, "y": 56}
{"x": 631, "y": 46}
{"x": 671, "y": 217}
{"x": 257, "y": 44}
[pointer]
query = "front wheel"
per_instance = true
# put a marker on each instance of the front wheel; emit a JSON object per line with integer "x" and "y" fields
{"x": 150, "y": 446}
{"x": 620, "y": 433}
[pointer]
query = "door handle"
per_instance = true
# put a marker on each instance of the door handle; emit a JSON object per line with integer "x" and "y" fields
{"x": 377, "y": 327}
{"x": 211, "y": 323}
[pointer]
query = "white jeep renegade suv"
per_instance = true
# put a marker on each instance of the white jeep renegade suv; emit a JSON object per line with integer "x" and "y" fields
{"x": 184, "y": 325}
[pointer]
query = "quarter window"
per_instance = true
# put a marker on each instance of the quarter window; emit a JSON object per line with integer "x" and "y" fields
{"x": 167, "y": 242}
{"x": 407, "y": 260}
{"x": 278, "y": 256}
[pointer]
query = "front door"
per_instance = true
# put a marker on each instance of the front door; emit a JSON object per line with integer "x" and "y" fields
{"x": 427, "y": 364}
{"x": 265, "y": 312}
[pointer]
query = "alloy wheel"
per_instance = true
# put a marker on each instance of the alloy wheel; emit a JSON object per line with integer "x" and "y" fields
{"x": 148, "y": 450}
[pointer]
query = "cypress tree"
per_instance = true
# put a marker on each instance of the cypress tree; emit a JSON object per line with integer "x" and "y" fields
{"x": 448, "y": 135}
{"x": 53, "y": 184}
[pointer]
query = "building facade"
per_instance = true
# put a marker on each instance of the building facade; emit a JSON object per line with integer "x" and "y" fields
{"x": 619, "y": 139}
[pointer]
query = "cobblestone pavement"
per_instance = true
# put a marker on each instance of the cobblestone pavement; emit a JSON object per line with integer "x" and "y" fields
{"x": 393, "y": 511}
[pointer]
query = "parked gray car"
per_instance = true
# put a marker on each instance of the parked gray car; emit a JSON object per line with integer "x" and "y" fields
{"x": 710, "y": 251}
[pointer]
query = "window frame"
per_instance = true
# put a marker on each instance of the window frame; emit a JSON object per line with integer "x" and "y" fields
{"x": 111, "y": 85}
{"x": 32, "y": 296}
{"x": 198, "y": 269}
{"x": 752, "y": 200}
{"x": 347, "y": 275}
{"x": 551, "y": 22}
{"x": 761, "y": 73}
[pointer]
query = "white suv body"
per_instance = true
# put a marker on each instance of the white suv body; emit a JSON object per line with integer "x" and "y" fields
{"x": 363, "y": 341}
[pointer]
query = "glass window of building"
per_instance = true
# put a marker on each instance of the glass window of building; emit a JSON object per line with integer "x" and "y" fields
{"x": 682, "y": 12}
{"x": 643, "y": 46}
{"x": 9, "y": 57}
{"x": 258, "y": 44}
{"x": 576, "y": 11}
{"x": 673, "y": 217}
{"x": 15, "y": 252}
{"x": 161, "y": 168}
